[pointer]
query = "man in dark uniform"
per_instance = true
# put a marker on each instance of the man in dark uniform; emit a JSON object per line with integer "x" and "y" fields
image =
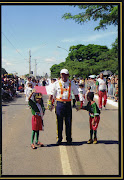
{"x": 62, "y": 88}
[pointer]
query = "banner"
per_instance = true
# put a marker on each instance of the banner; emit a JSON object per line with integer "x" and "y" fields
{"x": 43, "y": 89}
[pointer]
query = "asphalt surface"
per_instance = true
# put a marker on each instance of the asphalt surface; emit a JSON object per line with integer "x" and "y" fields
{"x": 78, "y": 159}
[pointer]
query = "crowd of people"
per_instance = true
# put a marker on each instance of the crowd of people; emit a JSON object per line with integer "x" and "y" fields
{"x": 112, "y": 85}
{"x": 10, "y": 85}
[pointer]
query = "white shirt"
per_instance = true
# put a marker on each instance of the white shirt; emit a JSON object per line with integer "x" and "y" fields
{"x": 82, "y": 92}
{"x": 28, "y": 91}
{"x": 56, "y": 89}
{"x": 81, "y": 81}
{"x": 20, "y": 81}
{"x": 26, "y": 85}
{"x": 102, "y": 84}
{"x": 49, "y": 89}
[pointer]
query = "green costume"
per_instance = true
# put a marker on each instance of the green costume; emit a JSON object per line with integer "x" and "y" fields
{"x": 92, "y": 108}
{"x": 94, "y": 113}
{"x": 36, "y": 118}
{"x": 34, "y": 107}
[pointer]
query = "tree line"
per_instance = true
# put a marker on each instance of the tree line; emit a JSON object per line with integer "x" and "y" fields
{"x": 83, "y": 61}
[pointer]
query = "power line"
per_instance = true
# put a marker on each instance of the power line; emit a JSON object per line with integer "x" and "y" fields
{"x": 13, "y": 31}
{"x": 12, "y": 44}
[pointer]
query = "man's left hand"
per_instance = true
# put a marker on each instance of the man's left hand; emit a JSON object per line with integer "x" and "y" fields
{"x": 78, "y": 105}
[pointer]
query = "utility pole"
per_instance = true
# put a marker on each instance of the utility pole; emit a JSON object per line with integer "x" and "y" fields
{"x": 29, "y": 63}
{"x": 35, "y": 68}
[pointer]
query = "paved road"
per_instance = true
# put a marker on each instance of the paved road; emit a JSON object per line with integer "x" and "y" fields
{"x": 78, "y": 159}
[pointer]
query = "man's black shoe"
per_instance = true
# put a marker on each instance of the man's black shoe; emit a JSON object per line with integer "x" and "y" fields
{"x": 69, "y": 142}
{"x": 58, "y": 142}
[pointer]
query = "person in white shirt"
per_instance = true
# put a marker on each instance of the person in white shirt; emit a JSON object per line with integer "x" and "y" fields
{"x": 26, "y": 84}
{"x": 28, "y": 91}
{"x": 62, "y": 88}
{"x": 101, "y": 86}
{"x": 82, "y": 93}
{"x": 81, "y": 81}
{"x": 28, "y": 81}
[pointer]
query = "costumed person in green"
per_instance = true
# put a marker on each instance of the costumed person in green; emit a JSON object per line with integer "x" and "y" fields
{"x": 94, "y": 117}
{"x": 38, "y": 110}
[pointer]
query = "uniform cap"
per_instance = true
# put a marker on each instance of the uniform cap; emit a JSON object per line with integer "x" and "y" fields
{"x": 64, "y": 71}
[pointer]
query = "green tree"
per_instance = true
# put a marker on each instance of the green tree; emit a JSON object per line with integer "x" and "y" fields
{"x": 115, "y": 47}
{"x": 26, "y": 75}
{"x": 3, "y": 71}
{"x": 55, "y": 70}
{"x": 91, "y": 59}
{"x": 86, "y": 53}
{"x": 106, "y": 14}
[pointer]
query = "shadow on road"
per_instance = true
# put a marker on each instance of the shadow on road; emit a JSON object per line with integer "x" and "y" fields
{"x": 20, "y": 104}
{"x": 65, "y": 144}
{"x": 107, "y": 142}
{"x": 83, "y": 142}
{"x": 5, "y": 105}
{"x": 110, "y": 110}
{"x": 5, "y": 102}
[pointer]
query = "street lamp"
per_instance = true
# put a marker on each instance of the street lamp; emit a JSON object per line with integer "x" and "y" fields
{"x": 68, "y": 52}
{"x": 63, "y": 48}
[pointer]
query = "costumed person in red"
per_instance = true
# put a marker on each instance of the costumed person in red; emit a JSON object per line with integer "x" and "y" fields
{"x": 38, "y": 110}
{"x": 101, "y": 85}
{"x": 94, "y": 117}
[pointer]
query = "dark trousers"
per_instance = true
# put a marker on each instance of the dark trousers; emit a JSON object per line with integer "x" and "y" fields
{"x": 64, "y": 111}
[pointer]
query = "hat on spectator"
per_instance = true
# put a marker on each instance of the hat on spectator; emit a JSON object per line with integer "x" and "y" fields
{"x": 64, "y": 71}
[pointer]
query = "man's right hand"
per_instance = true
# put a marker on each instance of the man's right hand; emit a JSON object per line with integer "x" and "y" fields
{"x": 49, "y": 105}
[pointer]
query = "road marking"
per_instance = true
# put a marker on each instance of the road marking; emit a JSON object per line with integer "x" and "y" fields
{"x": 65, "y": 161}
